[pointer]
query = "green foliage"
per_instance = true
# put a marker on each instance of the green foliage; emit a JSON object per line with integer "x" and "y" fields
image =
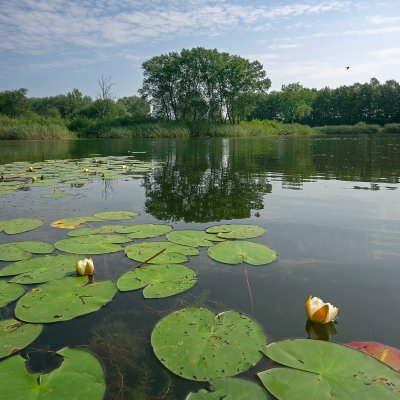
{"x": 14, "y": 103}
{"x": 391, "y": 128}
{"x": 360, "y": 128}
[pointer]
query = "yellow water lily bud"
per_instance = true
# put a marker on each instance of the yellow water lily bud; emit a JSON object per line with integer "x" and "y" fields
{"x": 30, "y": 169}
{"x": 124, "y": 167}
{"x": 319, "y": 311}
{"x": 85, "y": 267}
{"x": 34, "y": 179}
{"x": 85, "y": 170}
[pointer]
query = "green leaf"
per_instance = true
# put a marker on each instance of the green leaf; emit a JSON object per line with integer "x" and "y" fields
{"x": 55, "y": 195}
{"x": 80, "y": 376}
{"x": 144, "y": 231}
{"x": 196, "y": 344}
{"x": 92, "y": 244}
{"x": 41, "y": 269}
{"x": 16, "y": 251}
{"x": 323, "y": 370}
{"x": 230, "y": 389}
{"x": 9, "y": 292}
{"x": 116, "y": 215}
{"x": 64, "y": 299}
{"x": 19, "y": 225}
{"x": 237, "y": 231}
{"x": 93, "y": 231}
{"x": 158, "y": 280}
{"x": 16, "y": 335}
{"x": 240, "y": 251}
{"x": 193, "y": 238}
{"x": 172, "y": 254}
{"x": 72, "y": 222}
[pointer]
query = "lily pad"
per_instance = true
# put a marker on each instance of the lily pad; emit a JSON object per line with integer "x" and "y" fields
{"x": 193, "y": 238}
{"x": 324, "y": 370}
{"x": 64, "y": 299}
{"x": 16, "y": 335}
{"x": 196, "y": 344}
{"x": 16, "y": 251}
{"x": 158, "y": 280}
{"x": 240, "y": 251}
{"x": 55, "y": 195}
{"x": 80, "y": 376}
{"x": 387, "y": 354}
{"x": 116, "y": 215}
{"x": 232, "y": 231}
{"x": 40, "y": 269}
{"x": 172, "y": 254}
{"x": 94, "y": 231}
{"x": 92, "y": 244}
{"x": 144, "y": 231}
{"x": 72, "y": 222}
{"x": 230, "y": 389}
{"x": 19, "y": 225}
{"x": 9, "y": 292}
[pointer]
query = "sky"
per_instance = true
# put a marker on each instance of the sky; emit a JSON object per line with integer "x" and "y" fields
{"x": 53, "y": 46}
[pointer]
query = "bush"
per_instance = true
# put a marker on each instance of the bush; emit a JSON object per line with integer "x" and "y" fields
{"x": 391, "y": 128}
{"x": 360, "y": 128}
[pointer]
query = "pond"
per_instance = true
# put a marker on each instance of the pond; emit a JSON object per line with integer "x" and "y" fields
{"x": 330, "y": 206}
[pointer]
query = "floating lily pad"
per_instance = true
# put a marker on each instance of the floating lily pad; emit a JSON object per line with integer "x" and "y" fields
{"x": 240, "y": 251}
{"x": 73, "y": 222}
{"x": 44, "y": 182}
{"x": 40, "y": 269}
{"x": 64, "y": 299}
{"x": 9, "y": 292}
{"x": 16, "y": 335}
{"x": 144, "y": 231}
{"x": 193, "y": 238}
{"x": 19, "y": 225}
{"x": 55, "y": 195}
{"x": 230, "y": 389}
{"x": 324, "y": 370}
{"x": 236, "y": 231}
{"x": 386, "y": 354}
{"x": 93, "y": 231}
{"x": 116, "y": 215}
{"x": 196, "y": 344}
{"x": 92, "y": 244}
{"x": 172, "y": 254}
{"x": 158, "y": 280}
{"x": 80, "y": 376}
{"x": 16, "y": 251}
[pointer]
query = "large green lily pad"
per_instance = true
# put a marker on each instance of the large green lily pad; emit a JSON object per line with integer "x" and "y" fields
{"x": 230, "y": 389}
{"x": 144, "y": 231}
{"x": 323, "y": 370}
{"x": 172, "y": 254}
{"x": 41, "y": 269}
{"x": 158, "y": 280}
{"x": 16, "y": 335}
{"x": 19, "y": 225}
{"x": 80, "y": 376}
{"x": 196, "y": 344}
{"x": 92, "y": 244}
{"x": 64, "y": 299}
{"x": 16, "y": 251}
{"x": 116, "y": 215}
{"x": 9, "y": 292}
{"x": 232, "y": 231}
{"x": 189, "y": 237}
{"x": 241, "y": 251}
{"x": 94, "y": 231}
{"x": 72, "y": 222}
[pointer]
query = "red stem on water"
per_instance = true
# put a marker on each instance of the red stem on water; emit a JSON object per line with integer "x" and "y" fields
{"x": 250, "y": 292}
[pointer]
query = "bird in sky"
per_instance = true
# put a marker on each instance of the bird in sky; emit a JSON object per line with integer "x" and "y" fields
{"x": 347, "y": 67}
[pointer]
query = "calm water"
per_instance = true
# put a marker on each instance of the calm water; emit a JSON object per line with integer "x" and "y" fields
{"x": 332, "y": 210}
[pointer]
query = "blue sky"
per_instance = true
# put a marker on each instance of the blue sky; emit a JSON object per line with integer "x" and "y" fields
{"x": 50, "y": 47}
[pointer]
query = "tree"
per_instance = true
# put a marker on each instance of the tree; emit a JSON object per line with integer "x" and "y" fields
{"x": 135, "y": 105}
{"x": 14, "y": 102}
{"x": 201, "y": 84}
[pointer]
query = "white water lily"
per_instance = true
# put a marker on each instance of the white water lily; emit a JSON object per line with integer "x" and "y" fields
{"x": 319, "y": 311}
{"x": 85, "y": 267}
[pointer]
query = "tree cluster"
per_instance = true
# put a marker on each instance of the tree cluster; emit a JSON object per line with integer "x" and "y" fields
{"x": 202, "y": 84}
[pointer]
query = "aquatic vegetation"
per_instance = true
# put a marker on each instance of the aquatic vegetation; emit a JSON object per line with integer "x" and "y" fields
{"x": 232, "y": 231}
{"x": 72, "y": 222}
{"x": 193, "y": 238}
{"x": 196, "y": 344}
{"x": 240, "y": 251}
{"x": 15, "y": 251}
{"x": 9, "y": 292}
{"x": 144, "y": 231}
{"x": 322, "y": 370}
{"x": 16, "y": 335}
{"x": 64, "y": 299}
{"x": 158, "y": 280}
{"x": 19, "y": 225}
{"x": 80, "y": 376}
{"x": 84, "y": 267}
{"x": 230, "y": 389}
{"x": 319, "y": 311}
{"x": 115, "y": 215}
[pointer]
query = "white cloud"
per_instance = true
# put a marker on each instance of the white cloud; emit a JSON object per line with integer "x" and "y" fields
{"x": 380, "y": 19}
{"x": 283, "y": 46}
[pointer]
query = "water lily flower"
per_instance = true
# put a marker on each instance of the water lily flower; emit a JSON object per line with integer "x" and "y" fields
{"x": 34, "y": 179}
{"x": 319, "y": 311}
{"x": 85, "y": 267}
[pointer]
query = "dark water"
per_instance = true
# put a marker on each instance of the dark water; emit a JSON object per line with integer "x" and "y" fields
{"x": 332, "y": 209}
